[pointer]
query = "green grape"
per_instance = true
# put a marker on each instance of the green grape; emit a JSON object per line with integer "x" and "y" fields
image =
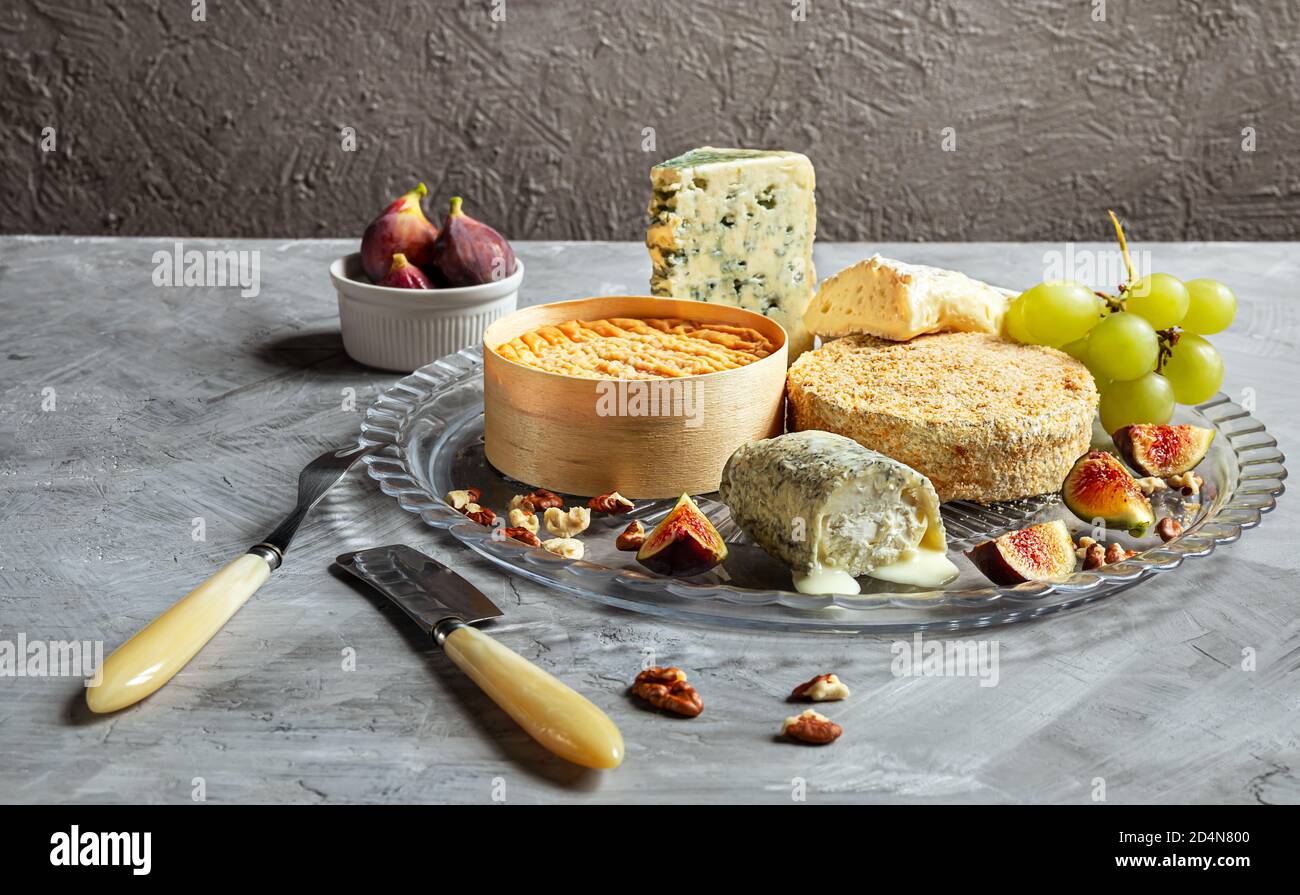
{"x": 1077, "y": 349}
{"x": 1014, "y": 323}
{"x": 1194, "y": 369}
{"x": 1060, "y": 311}
{"x": 1160, "y": 298}
{"x": 1122, "y": 347}
{"x": 1212, "y": 307}
{"x": 1149, "y": 399}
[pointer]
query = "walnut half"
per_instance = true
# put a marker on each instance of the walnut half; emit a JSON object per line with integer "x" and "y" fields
{"x": 569, "y": 548}
{"x": 811, "y": 727}
{"x": 567, "y": 524}
{"x": 822, "y": 688}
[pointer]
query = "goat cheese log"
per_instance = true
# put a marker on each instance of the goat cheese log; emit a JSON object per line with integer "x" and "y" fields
{"x": 832, "y": 510}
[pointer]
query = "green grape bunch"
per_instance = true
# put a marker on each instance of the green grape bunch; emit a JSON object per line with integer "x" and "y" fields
{"x": 1145, "y": 346}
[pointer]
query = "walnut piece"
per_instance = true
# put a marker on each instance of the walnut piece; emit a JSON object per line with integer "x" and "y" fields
{"x": 1189, "y": 483}
{"x": 566, "y": 525}
{"x": 1094, "y": 556}
{"x": 481, "y": 515}
{"x": 822, "y": 688}
{"x": 461, "y": 499}
{"x": 525, "y": 535}
{"x": 569, "y": 548}
{"x": 521, "y": 518}
{"x": 666, "y": 688}
{"x": 1168, "y": 528}
{"x": 536, "y": 501}
{"x": 811, "y": 727}
{"x": 632, "y": 537}
{"x": 1116, "y": 553}
{"x": 1151, "y": 484}
{"x": 612, "y": 503}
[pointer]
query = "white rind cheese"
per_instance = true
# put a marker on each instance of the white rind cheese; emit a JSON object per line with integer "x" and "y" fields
{"x": 736, "y": 227}
{"x": 892, "y": 300}
{"x": 832, "y": 510}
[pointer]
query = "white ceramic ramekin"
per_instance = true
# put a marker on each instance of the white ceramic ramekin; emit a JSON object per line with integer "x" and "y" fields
{"x": 402, "y": 329}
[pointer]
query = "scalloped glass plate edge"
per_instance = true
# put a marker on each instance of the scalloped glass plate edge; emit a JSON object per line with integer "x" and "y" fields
{"x": 1260, "y": 475}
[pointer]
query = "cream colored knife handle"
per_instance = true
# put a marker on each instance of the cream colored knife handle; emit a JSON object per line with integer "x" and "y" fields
{"x": 552, "y": 712}
{"x": 153, "y": 656}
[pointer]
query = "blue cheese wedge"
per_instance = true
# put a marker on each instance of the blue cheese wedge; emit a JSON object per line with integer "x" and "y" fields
{"x": 892, "y": 300}
{"x": 736, "y": 227}
{"x": 833, "y": 510}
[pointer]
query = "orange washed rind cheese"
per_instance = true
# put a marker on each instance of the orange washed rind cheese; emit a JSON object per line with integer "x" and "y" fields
{"x": 631, "y": 348}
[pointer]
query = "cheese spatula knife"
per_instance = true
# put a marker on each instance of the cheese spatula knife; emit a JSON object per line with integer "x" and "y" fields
{"x": 160, "y": 649}
{"x": 444, "y": 605}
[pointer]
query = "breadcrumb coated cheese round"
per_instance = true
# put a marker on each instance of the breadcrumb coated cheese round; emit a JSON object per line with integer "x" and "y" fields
{"x": 983, "y": 418}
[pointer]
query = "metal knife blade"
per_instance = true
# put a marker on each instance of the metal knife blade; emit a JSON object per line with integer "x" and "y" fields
{"x": 424, "y": 588}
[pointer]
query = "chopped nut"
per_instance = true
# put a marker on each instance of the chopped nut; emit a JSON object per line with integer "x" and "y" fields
{"x": 666, "y": 688}
{"x": 612, "y": 503}
{"x": 811, "y": 727}
{"x": 461, "y": 499}
{"x": 523, "y": 534}
{"x": 569, "y": 548}
{"x": 632, "y": 537}
{"x": 521, "y": 518}
{"x": 1189, "y": 483}
{"x": 566, "y": 525}
{"x": 1116, "y": 553}
{"x": 538, "y": 500}
{"x": 1168, "y": 528}
{"x": 1151, "y": 484}
{"x": 822, "y": 688}
{"x": 481, "y": 515}
{"x": 1095, "y": 556}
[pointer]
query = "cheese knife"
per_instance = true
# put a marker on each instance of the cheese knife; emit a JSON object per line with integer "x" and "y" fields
{"x": 163, "y": 647}
{"x": 445, "y": 606}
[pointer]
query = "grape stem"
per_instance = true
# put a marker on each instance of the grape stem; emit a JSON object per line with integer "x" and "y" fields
{"x": 1115, "y": 303}
{"x": 1168, "y": 339}
{"x": 1123, "y": 247}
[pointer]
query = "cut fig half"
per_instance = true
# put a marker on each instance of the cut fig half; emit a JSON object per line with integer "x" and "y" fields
{"x": 1100, "y": 488}
{"x": 1162, "y": 450}
{"x": 685, "y": 543}
{"x": 1036, "y": 553}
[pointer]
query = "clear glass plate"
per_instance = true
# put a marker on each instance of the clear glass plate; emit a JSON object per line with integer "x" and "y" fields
{"x": 431, "y": 427}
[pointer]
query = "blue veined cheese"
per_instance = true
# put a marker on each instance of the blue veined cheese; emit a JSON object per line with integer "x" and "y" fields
{"x": 833, "y": 510}
{"x": 736, "y": 227}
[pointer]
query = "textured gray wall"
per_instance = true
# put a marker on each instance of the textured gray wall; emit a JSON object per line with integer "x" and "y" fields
{"x": 231, "y": 126}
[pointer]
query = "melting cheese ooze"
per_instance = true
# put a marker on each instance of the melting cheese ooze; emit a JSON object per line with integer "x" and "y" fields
{"x": 892, "y": 536}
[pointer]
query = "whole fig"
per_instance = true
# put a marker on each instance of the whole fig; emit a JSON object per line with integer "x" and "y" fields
{"x": 404, "y": 275}
{"x": 402, "y": 227}
{"x": 468, "y": 252}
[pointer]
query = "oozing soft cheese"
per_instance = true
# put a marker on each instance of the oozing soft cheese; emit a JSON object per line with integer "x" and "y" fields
{"x": 736, "y": 227}
{"x": 832, "y": 510}
{"x": 898, "y": 301}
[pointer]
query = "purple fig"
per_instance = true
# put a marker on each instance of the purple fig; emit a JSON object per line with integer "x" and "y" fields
{"x": 469, "y": 253}
{"x": 401, "y": 228}
{"x": 404, "y": 275}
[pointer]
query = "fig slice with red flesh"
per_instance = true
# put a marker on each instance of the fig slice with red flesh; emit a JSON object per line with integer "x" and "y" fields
{"x": 685, "y": 543}
{"x": 1030, "y": 554}
{"x": 1162, "y": 450}
{"x": 1100, "y": 488}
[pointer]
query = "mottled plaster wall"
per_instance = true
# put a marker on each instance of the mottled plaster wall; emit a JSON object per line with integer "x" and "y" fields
{"x": 231, "y": 126}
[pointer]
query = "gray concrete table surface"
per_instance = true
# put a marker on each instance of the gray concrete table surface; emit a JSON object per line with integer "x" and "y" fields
{"x": 172, "y": 405}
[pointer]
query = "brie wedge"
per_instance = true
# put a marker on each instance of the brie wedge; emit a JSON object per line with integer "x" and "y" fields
{"x": 898, "y": 301}
{"x": 832, "y": 510}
